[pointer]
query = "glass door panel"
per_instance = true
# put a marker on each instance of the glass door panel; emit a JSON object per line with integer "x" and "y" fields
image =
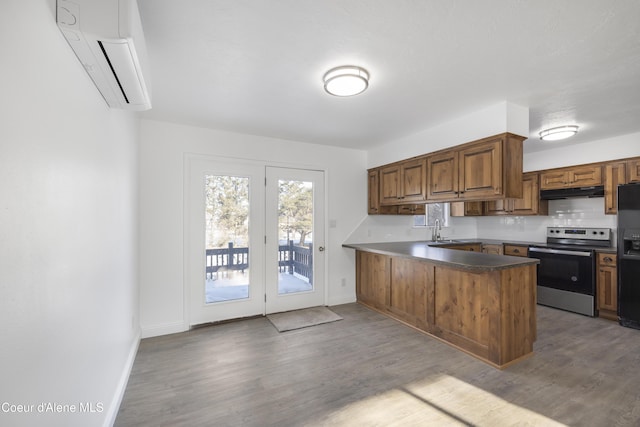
{"x": 224, "y": 233}
{"x": 295, "y": 239}
{"x": 226, "y": 238}
{"x": 295, "y": 236}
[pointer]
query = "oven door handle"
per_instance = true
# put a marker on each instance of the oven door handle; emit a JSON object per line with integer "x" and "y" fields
{"x": 559, "y": 252}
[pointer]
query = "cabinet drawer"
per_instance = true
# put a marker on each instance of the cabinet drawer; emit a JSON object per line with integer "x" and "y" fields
{"x": 606, "y": 259}
{"x": 516, "y": 250}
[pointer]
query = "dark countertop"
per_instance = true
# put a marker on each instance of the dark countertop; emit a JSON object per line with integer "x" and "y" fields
{"x": 611, "y": 250}
{"x": 429, "y": 251}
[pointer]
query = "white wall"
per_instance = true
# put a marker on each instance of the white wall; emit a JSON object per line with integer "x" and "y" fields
{"x": 68, "y": 229}
{"x": 163, "y": 146}
{"x": 489, "y": 121}
{"x": 619, "y": 147}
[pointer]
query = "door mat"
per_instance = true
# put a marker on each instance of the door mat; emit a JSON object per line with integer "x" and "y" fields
{"x": 298, "y": 319}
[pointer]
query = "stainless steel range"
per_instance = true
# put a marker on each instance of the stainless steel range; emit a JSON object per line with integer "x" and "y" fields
{"x": 566, "y": 273}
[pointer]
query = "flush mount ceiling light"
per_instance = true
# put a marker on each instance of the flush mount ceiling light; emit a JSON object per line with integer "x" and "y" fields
{"x": 347, "y": 80}
{"x": 556, "y": 134}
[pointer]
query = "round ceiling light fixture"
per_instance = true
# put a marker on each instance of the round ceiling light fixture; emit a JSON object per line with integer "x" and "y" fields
{"x": 556, "y": 134}
{"x": 347, "y": 80}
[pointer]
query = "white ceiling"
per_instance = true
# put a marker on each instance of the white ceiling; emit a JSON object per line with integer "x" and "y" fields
{"x": 256, "y": 66}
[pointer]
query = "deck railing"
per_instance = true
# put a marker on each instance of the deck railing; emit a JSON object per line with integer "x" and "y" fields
{"x": 291, "y": 259}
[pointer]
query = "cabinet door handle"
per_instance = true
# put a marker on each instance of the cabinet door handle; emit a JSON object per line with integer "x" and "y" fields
{"x": 516, "y": 251}
{"x": 607, "y": 259}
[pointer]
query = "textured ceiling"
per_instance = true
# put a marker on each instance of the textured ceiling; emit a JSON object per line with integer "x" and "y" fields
{"x": 256, "y": 66}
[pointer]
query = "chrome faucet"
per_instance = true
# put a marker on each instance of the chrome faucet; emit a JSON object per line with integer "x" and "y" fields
{"x": 435, "y": 232}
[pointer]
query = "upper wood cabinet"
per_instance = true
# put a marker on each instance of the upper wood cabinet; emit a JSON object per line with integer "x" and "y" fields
{"x": 373, "y": 200}
{"x": 614, "y": 175}
{"x": 529, "y": 204}
{"x": 633, "y": 170}
{"x": 442, "y": 176}
{"x": 466, "y": 208}
{"x": 575, "y": 176}
{"x": 373, "y": 193}
{"x": 488, "y": 169}
{"x": 480, "y": 170}
{"x": 403, "y": 182}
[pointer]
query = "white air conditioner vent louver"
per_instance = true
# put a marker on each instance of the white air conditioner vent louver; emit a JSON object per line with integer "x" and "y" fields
{"x": 107, "y": 38}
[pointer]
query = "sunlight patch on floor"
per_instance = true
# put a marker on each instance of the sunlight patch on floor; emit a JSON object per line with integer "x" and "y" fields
{"x": 441, "y": 401}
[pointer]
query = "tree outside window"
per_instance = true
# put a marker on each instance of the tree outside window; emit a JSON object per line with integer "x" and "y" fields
{"x": 439, "y": 211}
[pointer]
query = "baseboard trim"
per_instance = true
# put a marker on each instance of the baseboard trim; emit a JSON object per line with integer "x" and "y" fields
{"x": 340, "y": 301}
{"x": 164, "y": 329}
{"x": 112, "y": 413}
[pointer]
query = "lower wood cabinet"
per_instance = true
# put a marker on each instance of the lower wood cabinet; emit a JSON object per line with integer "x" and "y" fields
{"x": 488, "y": 314}
{"x": 471, "y": 247}
{"x": 607, "y": 284}
{"x": 372, "y": 283}
{"x": 408, "y": 290}
{"x": 492, "y": 249}
{"x": 516, "y": 250}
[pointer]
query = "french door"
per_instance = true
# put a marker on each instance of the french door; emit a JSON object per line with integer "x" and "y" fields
{"x": 224, "y": 240}
{"x": 294, "y": 239}
{"x": 254, "y": 239}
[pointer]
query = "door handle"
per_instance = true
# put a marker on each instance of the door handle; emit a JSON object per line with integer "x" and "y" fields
{"x": 321, "y": 248}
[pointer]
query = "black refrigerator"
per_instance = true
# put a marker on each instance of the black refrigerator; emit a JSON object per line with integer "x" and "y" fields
{"x": 629, "y": 255}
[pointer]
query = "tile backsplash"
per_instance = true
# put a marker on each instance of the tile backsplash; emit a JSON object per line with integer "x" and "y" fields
{"x": 579, "y": 212}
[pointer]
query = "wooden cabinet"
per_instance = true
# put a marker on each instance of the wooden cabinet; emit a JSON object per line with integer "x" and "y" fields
{"x": 442, "y": 176}
{"x": 480, "y": 312}
{"x": 403, "y": 182}
{"x": 408, "y": 290}
{"x": 614, "y": 175}
{"x": 373, "y": 192}
{"x": 480, "y": 170}
{"x": 492, "y": 249}
{"x": 607, "y": 284}
{"x": 516, "y": 250}
{"x": 471, "y": 247}
{"x": 575, "y": 176}
{"x": 529, "y": 204}
{"x": 372, "y": 286}
{"x": 633, "y": 170}
{"x": 488, "y": 169}
{"x": 411, "y": 209}
{"x": 466, "y": 208}
{"x": 373, "y": 199}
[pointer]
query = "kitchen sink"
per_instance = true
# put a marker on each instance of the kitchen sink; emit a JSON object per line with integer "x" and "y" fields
{"x": 442, "y": 241}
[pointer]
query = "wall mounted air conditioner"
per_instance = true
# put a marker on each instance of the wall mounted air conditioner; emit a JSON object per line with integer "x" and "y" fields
{"x": 107, "y": 38}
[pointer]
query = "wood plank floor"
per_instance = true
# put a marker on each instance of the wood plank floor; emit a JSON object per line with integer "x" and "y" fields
{"x": 369, "y": 370}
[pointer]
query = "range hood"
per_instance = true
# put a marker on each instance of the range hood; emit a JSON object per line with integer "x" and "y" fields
{"x": 565, "y": 193}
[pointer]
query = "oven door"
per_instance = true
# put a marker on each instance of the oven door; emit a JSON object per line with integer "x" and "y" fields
{"x": 566, "y": 270}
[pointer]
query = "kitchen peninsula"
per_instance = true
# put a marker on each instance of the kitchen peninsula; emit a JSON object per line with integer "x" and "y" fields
{"x": 482, "y": 304}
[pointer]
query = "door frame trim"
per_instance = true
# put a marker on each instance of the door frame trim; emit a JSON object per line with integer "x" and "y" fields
{"x": 187, "y": 158}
